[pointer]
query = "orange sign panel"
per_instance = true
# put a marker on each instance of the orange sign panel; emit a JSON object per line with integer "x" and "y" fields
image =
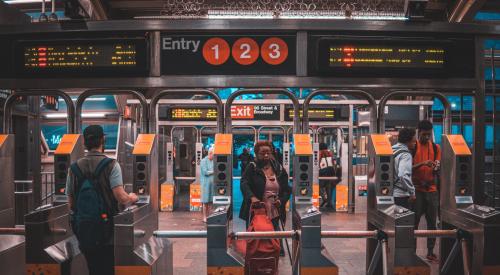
{"x": 133, "y": 270}
{"x": 302, "y": 143}
{"x": 195, "y": 197}
{"x": 459, "y": 145}
{"x": 144, "y": 144}
{"x": 381, "y": 144}
{"x": 43, "y": 269}
{"x": 223, "y": 144}
{"x": 167, "y": 197}
{"x": 225, "y": 270}
{"x": 3, "y": 138}
{"x": 315, "y": 197}
{"x": 330, "y": 270}
{"x": 341, "y": 195}
{"x": 67, "y": 144}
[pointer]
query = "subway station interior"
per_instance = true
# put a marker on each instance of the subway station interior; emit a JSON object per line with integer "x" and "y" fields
{"x": 181, "y": 85}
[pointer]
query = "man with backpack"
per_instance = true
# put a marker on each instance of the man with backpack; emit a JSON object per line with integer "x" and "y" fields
{"x": 95, "y": 190}
{"x": 404, "y": 190}
{"x": 426, "y": 164}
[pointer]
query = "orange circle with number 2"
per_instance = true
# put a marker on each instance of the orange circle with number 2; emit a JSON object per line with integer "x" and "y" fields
{"x": 274, "y": 51}
{"x": 245, "y": 51}
{"x": 216, "y": 51}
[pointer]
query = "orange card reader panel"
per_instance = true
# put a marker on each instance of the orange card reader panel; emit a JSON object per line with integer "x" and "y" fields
{"x": 381, "y": 144}
{"x": 3, "y": 138}
{"x": 144, "y": 144}
{"x": 67, "y": 144}
{"x": 223, "y": 144}
{"x": 459, "y": 145}
{"x": 302, "y": 143}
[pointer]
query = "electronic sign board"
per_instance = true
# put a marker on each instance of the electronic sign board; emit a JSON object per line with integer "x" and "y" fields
{"x": 321, "y": 114}
{"x": 118, "y": 57}
{"x": 203, "y": 113}
{"x": 391, "y": 57}
{"x": 226, "y": 54}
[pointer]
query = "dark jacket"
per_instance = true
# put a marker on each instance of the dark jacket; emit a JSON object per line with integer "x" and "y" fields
{"x": 253, "y": 184}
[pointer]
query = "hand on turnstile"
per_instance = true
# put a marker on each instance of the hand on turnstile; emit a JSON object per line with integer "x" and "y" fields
{"x": 133, "y": 197}
{"x": 412, "y": 198}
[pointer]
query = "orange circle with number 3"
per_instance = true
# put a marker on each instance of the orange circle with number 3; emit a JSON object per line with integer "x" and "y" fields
{"x": 216, "y": 51}
{"x": 274, "y": 51}
{"x": 245, "y": 51}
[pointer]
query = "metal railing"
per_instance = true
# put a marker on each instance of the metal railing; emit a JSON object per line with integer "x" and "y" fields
{"x": 48, "y": 187}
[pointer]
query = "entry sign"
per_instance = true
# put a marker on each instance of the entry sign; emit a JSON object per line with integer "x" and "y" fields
{"x": 228, "y": 54}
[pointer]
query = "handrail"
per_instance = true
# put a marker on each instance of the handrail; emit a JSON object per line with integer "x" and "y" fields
{"x": 269, "y": 91}
{"x": 440, "y": 96}
{"x": 157, "y": 97}
{"x": 360, "y": 93}
{"x": 9, "y": 102}
{"x": 88, "y": 93}
{"x": 336, "y": 234}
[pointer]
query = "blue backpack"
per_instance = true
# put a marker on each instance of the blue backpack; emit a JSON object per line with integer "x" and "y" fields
{"x": 92, "y": 219}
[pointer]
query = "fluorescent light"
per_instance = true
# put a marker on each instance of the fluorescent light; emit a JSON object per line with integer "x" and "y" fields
{"x": 84, "y": 115}
{"x": 87, "y": 99}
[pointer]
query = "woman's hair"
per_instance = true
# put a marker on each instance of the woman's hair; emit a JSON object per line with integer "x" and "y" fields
{"x": 260, "y": 144}
{"x": 323, "y": 146}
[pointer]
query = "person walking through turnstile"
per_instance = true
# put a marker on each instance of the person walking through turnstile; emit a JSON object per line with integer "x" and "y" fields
{"x": 404, "y": 190}
{"x": 265, "y": 181}
{"x": 207, "y": 182}
{"x": 95, "y": 191}
{"x": 327, "y": 168}
{"x": 426, "y": 165}
{"x": 245, "y": 158}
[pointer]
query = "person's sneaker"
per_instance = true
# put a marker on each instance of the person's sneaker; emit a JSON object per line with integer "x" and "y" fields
{"x": 432, "y": 257}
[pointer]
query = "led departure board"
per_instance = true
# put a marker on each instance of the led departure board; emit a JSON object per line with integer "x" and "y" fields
{"x": 391, "y": 57}
{"x": 197, "y": 114}
{"x": 381, "y": 56}
{"x": 320, "y": 114}
{"x": 115, "y": 57}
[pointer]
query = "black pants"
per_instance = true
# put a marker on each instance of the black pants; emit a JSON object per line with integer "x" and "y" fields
{"x": 100, "y": 260}
{"x": 402, "y": 201}
{"x": 325, "y": 190}
{"x": 427, "y": 204}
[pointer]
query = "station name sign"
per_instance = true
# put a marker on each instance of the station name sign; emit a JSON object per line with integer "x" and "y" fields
{"x": 228, "y": 54}
{"x": 238, "y": 112}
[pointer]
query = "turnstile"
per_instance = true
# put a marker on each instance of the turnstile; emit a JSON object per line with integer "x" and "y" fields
{"x": 11, "y": 246}
{"x": 137, "y": 251}
{"x": 393, "y": 252}
{"x": 311, "y": 256}
{"x": 478, "y": 226}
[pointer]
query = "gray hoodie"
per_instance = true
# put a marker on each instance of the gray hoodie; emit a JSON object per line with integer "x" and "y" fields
{"x": 403, "y": 164}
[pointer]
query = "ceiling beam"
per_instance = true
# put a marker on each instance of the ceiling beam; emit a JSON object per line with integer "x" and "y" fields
{"x": 10, "y": 15}
{"x": 95, "y": 9}
{"x": 465, "y": 10}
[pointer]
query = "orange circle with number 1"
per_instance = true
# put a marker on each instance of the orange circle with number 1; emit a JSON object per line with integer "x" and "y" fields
{"x": 274, "y": 51}
{"x": 216, "y": 51}
{"x": 245, "y": 51}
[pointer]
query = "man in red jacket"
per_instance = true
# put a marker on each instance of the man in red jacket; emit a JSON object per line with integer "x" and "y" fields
{"x": 426, "y": 164}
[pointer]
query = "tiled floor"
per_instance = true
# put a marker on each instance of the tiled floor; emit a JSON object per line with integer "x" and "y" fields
{"x": 349, "y": 254}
